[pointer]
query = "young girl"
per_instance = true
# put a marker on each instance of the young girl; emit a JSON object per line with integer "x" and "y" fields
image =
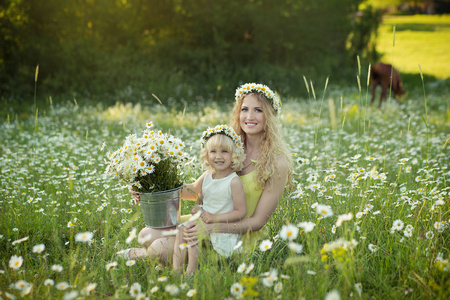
{"x": 222, "y": 191}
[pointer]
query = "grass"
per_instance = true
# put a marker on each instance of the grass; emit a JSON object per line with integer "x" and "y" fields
{"x": 419, "y": 39}
{"x": 379, "y": 165}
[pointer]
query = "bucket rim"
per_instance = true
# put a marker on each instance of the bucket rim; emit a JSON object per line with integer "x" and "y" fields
{"x": 161, "y": 192}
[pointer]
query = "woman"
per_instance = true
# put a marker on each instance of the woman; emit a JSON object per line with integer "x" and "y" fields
{"x": 267, "y": 171}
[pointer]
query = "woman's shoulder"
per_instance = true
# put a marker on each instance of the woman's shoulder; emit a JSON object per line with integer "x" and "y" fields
{"x": 282, "y": 162}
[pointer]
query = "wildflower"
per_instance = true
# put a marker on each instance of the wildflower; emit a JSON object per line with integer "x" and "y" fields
{"x": 270, "y": 278}
{"x": 333, "y": 229}
{"x": 333, "y": 295}
{"x": 241, "y": 268}
{"x": 372, "y": 248}
{"x": 429, "y": 235}
{"x": 154, "y": 289}
{"x": 343, "y": 218}
{"x": 88, "y": 289}
{"x": 324, "y": 210}
{"x": 289, "y": 232}
{"x": 57, "y": 268}
{"x": 130, "y": 262}
{"x": 358, "y": 287}
{"x": 191, "y": 293}
{"x": 70, "y": 224}
{"x": 249, "y": 268}
{"x": 111, "y": 265}
{"x": 172, "y": 289}
{"x": 131, "y": 237}
{"x": 310, "y": 272}
{"x": 184, "y": 286}
{"x": 236, "y": 289}
{"x": 196, "y": 216}
{"x": 297, "y": 248}
{"x": 22, "y": 285}
{"x": 15, "y": 262}
{"x": 238, "y": 245}
{"x": 278, "y": 287}
{"x": 49, "y": 282}
{"x": 84, "y": 237}
{"x": 407, "y": 233}
{"x": 20, "y": 240}
{"x": 265, "y": 245}
{"x": 307, "y": 226}
{"x": 135, "y": 289}
{"x": 70, "y": 295}
{"x": 144, "y": 239}
{"x": 140, "y": 296}
{"x": 38, "y": 248}
{"x": 162, "y": 278}
{"x": 397, "y": 225}
{"x": 62, "y": 285}
{"x": 172, "y": 232}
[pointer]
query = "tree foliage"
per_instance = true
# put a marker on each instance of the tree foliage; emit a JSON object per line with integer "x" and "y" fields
{"x": 100, "y": 46}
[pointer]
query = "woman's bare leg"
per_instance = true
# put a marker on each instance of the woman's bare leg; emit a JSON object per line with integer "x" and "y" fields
{"x": 162, "y": 249}
{"x": 147, "y": 236}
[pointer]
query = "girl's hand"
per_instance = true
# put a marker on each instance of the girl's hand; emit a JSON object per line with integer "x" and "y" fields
{"x": 195, "y": 209}
{"x": 207, "y": 217}
{"x": 135, "y": 195}
{"x": 195, "y": 230}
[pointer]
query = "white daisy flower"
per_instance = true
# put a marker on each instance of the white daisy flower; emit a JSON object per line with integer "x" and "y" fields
{"x": 84, "y": 237}
{"x": 38, "y": 248}
{"x": 15, "y": 262}
{"x": 265, "y": 245}
{"x": 289, "y": 232}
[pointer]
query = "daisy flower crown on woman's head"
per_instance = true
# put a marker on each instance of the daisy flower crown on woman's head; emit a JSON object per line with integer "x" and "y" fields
{"x": 223, "y": 129}
{"x": 260, "y": 88}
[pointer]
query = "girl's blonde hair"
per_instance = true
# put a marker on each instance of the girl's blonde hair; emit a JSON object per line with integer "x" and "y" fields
{"x": 237, "y": 161}
{"x": 272, "y": 143}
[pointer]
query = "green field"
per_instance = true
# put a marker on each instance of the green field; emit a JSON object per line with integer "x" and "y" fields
{"x": 388, "y": 169}
{"x": 419, "y": 39}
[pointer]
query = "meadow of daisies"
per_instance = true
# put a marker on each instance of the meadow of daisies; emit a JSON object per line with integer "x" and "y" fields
{"x": 367, "y": 217}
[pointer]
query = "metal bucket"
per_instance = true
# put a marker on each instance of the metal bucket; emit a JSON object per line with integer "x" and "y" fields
{"x": 161, "y": 209}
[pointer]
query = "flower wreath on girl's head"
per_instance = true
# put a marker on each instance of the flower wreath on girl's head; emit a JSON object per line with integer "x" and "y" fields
{"x": 262, "y": 89}
{"x": 228, "y": 131}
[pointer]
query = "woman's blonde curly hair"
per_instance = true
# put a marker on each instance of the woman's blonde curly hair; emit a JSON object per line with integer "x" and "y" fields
{"x": 237, "y": 160}
{"x": 272, "y": 142}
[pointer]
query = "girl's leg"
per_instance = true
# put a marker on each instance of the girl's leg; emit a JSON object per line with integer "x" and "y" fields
{"x": 179, "y": 254}
{"x": 193, "y": 253}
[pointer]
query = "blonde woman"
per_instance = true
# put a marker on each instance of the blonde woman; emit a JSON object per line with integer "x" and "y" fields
{"x": 267, "y": 170}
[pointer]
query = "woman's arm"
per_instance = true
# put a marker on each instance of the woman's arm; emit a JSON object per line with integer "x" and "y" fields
{"x": 267, "y": 204}
{"x": 240, "y": 207}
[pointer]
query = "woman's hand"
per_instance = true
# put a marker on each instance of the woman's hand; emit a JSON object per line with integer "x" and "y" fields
{"x": 207, "y": 217}
{"x": 135, "y": 195}
{"x": 196, "y": 230}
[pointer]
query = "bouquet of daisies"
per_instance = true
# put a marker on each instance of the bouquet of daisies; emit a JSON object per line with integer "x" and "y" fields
{"x": 150, "y": 163}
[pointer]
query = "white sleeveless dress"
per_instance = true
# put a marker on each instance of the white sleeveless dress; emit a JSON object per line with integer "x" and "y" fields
{"x": 217, "y": 199}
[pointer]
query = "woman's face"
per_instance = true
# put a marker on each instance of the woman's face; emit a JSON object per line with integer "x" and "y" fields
{"x": 251, "y": 118}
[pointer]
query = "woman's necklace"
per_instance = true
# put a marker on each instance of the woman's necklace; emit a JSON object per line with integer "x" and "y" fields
{"x": 252, "y": 161}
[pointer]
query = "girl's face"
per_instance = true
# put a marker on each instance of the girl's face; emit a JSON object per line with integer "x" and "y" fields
{"x": 251, "y": 118}
{"x": 219, "y": 157}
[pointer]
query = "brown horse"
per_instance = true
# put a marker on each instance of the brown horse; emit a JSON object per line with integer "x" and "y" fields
{"x": 381, "y": 75}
